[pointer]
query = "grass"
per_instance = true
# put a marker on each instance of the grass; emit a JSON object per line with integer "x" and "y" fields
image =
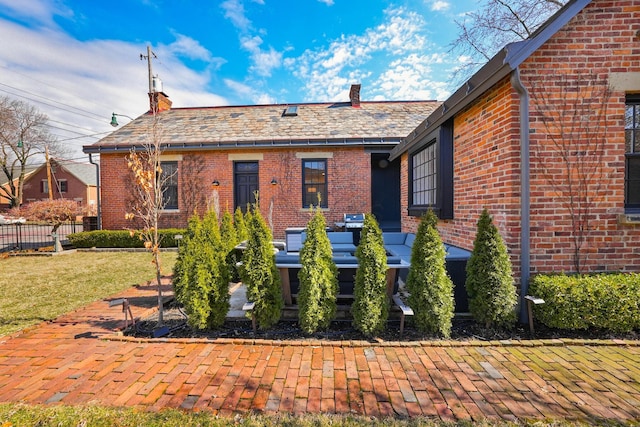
{"x": 13, "y": 415}
{"x": 36, "y": 289}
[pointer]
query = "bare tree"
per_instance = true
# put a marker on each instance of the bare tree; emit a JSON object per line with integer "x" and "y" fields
{"x": 482, "y": 33}
{"x": 23, "y": 137}
{"x": 149, "y": 199}
{"x": 571, "y": 152}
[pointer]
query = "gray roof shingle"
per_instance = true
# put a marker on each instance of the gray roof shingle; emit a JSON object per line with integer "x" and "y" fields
{"x": 373, "y": 123}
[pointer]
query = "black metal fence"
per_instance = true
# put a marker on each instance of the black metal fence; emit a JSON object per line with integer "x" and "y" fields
{"x": 20, "y": 237}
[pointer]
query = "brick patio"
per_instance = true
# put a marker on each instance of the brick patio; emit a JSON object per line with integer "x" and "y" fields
{"x": 78, "y": 359}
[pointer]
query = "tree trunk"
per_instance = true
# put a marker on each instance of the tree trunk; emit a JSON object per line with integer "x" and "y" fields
{"x": 156, "y": 259}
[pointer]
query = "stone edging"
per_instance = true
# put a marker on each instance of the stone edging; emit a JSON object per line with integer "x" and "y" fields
{"x": 361, "y": 343}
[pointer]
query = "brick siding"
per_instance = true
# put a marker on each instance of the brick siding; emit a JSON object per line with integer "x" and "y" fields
{"x": 600, "y": 40}
{"x": 349, "y": 181}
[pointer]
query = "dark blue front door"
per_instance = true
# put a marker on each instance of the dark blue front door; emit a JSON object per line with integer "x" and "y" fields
{"x": 246, "y": 184}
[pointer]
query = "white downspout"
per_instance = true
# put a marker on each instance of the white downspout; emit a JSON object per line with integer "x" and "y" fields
{"x": 525, "y": 202}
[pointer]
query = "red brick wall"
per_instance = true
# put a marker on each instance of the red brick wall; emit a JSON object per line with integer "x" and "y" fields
{"x": 602, "y": 40}
{"x": 349, "y": 186}
{"x": 486, "y": 171}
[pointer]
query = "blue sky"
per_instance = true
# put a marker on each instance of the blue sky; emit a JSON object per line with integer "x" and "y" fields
{"x": 79, "y": 61}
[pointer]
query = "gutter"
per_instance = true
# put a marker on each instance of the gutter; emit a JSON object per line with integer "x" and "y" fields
{"x": 367, "y": 142}
{"x": 525, "y": 201}
{"x": 98, "y": 207}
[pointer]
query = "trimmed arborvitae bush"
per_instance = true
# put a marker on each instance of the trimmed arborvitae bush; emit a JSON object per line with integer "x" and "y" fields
{"x": 228, "y": 232}
{"x": 185, "y": 260}
{"x": 317, "y": 297}
{"x": 259, "y": 272}
{"x": 370, "y": 308}
{"x": 214, "y": 260}
{"x": 229, "y": 241}
{"x": 201, "y": 278}
{"x": 191, "y": 286}
{"x": 239, "y": 221}
{"x": 430, "y": 288}
{"x": 490, "y": 286}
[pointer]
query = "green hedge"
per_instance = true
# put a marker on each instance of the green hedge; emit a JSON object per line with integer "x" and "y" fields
{"x": 603, "y": 301}
{"x": 120, "y": 239}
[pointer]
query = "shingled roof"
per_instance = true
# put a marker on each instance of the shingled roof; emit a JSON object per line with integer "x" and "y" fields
{"x": 259, "y": 126}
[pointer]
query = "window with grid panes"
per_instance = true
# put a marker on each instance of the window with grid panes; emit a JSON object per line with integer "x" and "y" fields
{"x": 632, "y": 150}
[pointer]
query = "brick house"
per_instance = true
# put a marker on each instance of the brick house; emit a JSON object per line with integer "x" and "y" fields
{"x": 563, "y": 103}
{"x": 289, "y": 153}
{"x": 70, "y": 180}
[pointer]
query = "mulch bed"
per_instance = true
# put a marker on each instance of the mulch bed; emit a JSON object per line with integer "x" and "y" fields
{"x": 463, "y": 329}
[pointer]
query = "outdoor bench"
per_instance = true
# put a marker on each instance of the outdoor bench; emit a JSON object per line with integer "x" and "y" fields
{"x": 289, "y": 264}
{"x": 341, "y": 241}
{"x": 405, "y": 309}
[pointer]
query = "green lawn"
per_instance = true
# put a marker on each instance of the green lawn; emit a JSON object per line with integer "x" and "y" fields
{"x": 13, "y": 415}
{"x": 35, "y": 289}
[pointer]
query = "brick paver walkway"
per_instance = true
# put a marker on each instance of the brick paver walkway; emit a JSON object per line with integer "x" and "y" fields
{"x": 77, "y": 359}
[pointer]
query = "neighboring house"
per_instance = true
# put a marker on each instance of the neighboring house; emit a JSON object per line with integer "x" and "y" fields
{"x": 294, "y": 156}
{"x": 4, "y": 183}
{"x": 498, "y": 143}
{"x": 70, "y": 180}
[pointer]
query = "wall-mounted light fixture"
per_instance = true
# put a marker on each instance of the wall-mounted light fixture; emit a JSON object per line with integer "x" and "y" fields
{"x": 215, "y": 183}
{"x": 274, "y": 181}
{"x": 114, "y": 121}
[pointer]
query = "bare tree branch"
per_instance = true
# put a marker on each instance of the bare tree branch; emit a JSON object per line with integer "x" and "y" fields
{"x": 23, "y": 137}
{"x": 496, "y": 23}
{"x": 148, "y": 200}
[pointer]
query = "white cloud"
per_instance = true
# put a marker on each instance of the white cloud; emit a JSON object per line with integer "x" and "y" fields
{"x": 189, "y": 48}
{"x": 327, "y": 2}
{"x": 328, "y": 73}
{"x": 250, "y": 92}
{"x": 92, "y": 79}
{"x": 234, "y": 11}
{"x": 264, "y": 61}
{"x": 440, "y": 5}
{"x": 410, "y": 78}
{"x": 41, "y": 11}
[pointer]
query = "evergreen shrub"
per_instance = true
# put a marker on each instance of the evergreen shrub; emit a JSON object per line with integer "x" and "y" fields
{"x": 317, "y": 297}
{"x": 430, "y": 288}
{"x": 230, "y": 240}
{"x": 259, "y": 272}
{"x": 121, "y": 239}
{"x": 370, "y": 308}
{"x": 215, "y": 261}
{"x": 182, "y": 268}
{"x": 602, "y": 301}
{"x": 490, "y": 284}
{"x": 201, "y": 278}
{"x": 190, "y": 285}
{"x": 239, "y": 222}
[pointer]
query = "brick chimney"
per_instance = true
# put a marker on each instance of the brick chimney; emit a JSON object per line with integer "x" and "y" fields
{"x": 159, "y": 101}
{"x": 354, "y": 96}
